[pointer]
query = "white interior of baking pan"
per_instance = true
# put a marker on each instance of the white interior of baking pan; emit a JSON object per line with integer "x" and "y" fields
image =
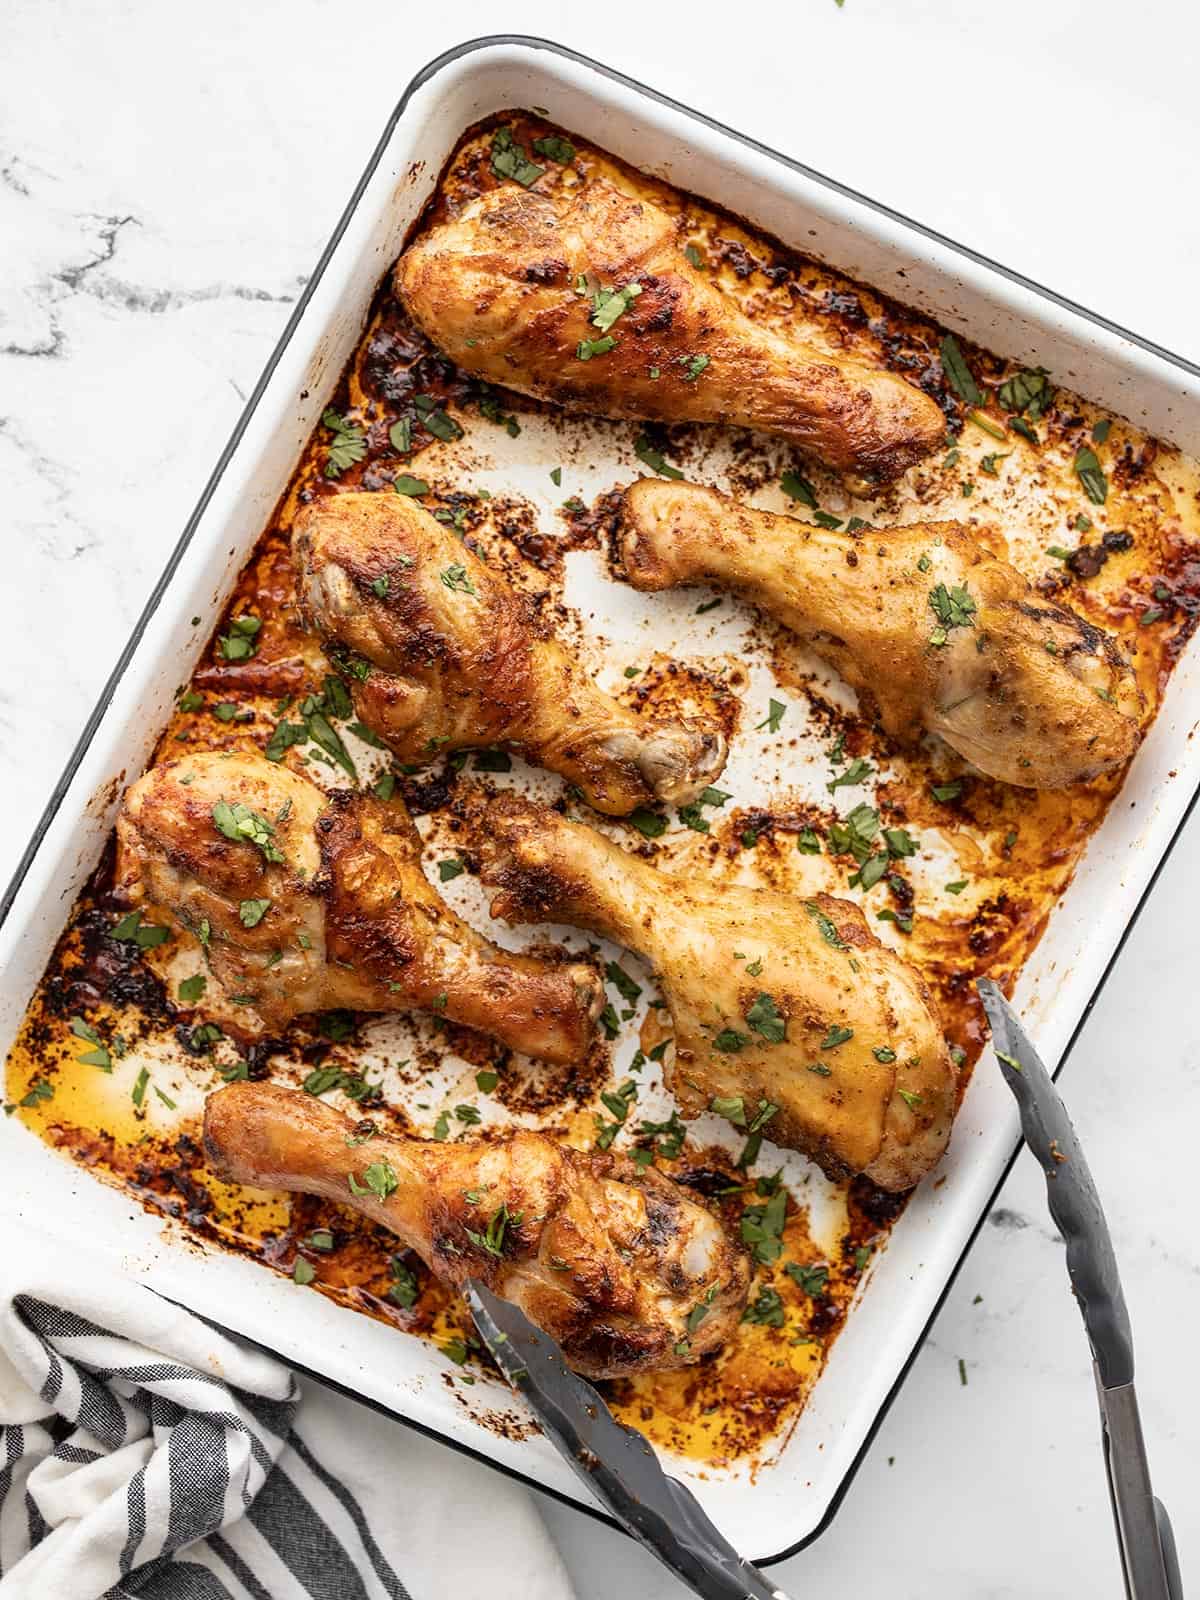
{"x": 788, "y": 1497}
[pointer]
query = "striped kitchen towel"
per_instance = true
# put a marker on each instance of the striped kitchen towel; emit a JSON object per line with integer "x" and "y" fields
{"x": 144, "y": 1454}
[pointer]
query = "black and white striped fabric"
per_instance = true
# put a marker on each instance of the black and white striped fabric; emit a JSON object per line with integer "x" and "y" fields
{"x": 145, "y": 1455}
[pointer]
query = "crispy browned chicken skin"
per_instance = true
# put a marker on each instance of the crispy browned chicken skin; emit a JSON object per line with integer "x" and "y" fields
{"x": 460, "y": 660}
{"x": 609, "y": 1258}
{"x": 1025, "y": 689}
{"x": 498, "y": 289}
{"x": 775, "y": 1000}
{"x": 350, "y": 919}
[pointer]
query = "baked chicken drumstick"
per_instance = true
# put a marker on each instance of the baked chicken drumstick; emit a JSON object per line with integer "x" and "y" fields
{"x": 926, "y": 619}
{"x": 777, "y": 1002}
{"x": 458, "y": 659}
{"x": 609, "y": 1258}
{"x": 519, "y": 288}
{"x": 306, "y": 902}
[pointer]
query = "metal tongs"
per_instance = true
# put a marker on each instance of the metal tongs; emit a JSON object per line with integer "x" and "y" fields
{"x": 1144, "y": 1536}
{"x": 617, "y": 1463}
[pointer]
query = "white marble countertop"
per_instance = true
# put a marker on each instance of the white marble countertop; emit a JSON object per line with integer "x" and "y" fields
{"x": 168, "y": 176}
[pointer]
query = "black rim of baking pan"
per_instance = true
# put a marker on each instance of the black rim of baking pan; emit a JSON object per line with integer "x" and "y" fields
{"x": 57, "y": 794}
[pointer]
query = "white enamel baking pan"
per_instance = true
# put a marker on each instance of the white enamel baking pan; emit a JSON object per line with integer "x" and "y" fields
{"x": 789, "y": 1500}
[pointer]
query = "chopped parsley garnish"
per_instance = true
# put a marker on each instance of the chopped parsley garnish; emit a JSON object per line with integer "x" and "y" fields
{"x": 729, "y": 1041}
{"x": 653, "y": 458}
{"x": 1029, "y": 392}
{"x": 405, "y": 1287}
{"x": 618, "y": 1101}
{"x": 988, "y": 463}
{"x": 379, "y": 1180}
{"x": 608, "y": 305}
{"x": 40, "y": 1090}
{"x": 434, "y": 420}
{"x": 911, "y": 1099}
{"x": 762, "y": 1228}
{"x": 405, "y": 483}
{"x": 953, "y": 608}
{"x": 493, "y": 761}
{"x": 138, "y": 1093}
{"x": 491, "y": 408}
{"x": 510, "y": 160}
{"x": 239, "y": 823}
{"x": 798, "y": 488}
{"x": 286, "y": 734}
{"x": 837, "y": 1035}
{"x": 555, "y": 149}
{"x": 857, "y": 772}
{"x": 694, "y": 258}
{"x": 766, "y": 1309}
{"x": 97, "y": 1057}
{"x": 458, "y": 580}
{"x": 902, "y": 919}
{"x": 251, "y": 912}
{"x": 947, "y": 791}
{"x": 988, "y": 426}
{"x": 812, "y": 1280}
{"x": 242, "y": 639}
{"x": 693, "y": 366}
{"x": 775, "y": 714}
{"x": 855, "y": 834}
{"x": 664, "y": 1139}
{"x": 900, "y": 842}
{"x": 649, "y": 823}
{"x": 610, "y": 1022}
{"x": 731, "y": 1107}
{"x": 808, "y": 842}
{"x": 352, "y": 1084}
{"x": 450, "y": 868}
{"x": 303, "y": 1272}
{"x": 132, "y": 930}
{"x": 1091, "y": 475}
{"x": 885, "y": 1054}
{"x": 765, "y": 1017}
{"x": 625, "y": 986}
{"x": 493, "y": 1237}
{"x": 827, "y": 928}
{"x": 349, "y": 444}
{"x": 958, "y": 374}
{"x": 586, "y": 349}
{"x": 692, "y": 816}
